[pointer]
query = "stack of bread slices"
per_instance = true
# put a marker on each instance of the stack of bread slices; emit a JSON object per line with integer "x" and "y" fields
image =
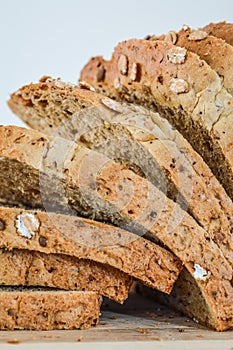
{"x": 127, "y": 176}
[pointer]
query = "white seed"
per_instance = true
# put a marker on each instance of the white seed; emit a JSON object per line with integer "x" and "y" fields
{"x": 178, "y": 86}
{"x": 171, "y": 37}
{"x": 84, "y": 85}
{"x": 134, "y": 72}
{"x": 115, "y": 106}
{"x": 200, "y": 273}
{"x": 185, "y": 27}
{"x": 177, "y": 55}
{"x": 116, "y": 83}
{"x": 197, "y": 35}
{"x": 27, "y": 225}
{"x": 123, "y": 64}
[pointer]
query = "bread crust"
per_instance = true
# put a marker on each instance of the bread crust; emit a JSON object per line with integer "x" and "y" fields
{"x": 173, "y": 227}
{"x": 222, "y": 30}
{"x": 87, "y": 239}
{"x": 145, "y": 135}
{"x": 183, "y": 88}
{"x": 33, "y": 268}
{"x": 215, "y": 51}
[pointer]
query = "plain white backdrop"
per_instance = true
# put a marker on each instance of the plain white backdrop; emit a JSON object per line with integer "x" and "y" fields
{"x": 57, "y": 37}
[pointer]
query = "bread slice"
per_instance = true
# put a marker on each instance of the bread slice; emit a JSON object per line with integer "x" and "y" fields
{"x": 110, "y": 127}
{"x": 41, "y": 309}
{"x": 222, "y": 30}
{"x": 180, "y": 86}
{"x": 187, "y": 298}
{"x": 216, "y": 52}
{"x": 86, "y": 239}
{"x": 31, "y": 268}
{"x": 146, "y": 209}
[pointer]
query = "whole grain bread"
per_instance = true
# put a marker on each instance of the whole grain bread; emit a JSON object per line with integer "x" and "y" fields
{"x": 145, "y": 208}
{"x": 179, "y": 85}
{"x": 216, "y": 52}
{"x": 86, "y": 239}
{"x": 110, "y": 127}
{"x": 222, "y": 30}
{"x": 185, "y": 297}
{"x": 41, "y": 309}
{"x": 33, "y": 268}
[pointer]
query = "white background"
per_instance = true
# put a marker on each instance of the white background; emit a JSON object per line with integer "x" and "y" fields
{"x": 57, "y": 38}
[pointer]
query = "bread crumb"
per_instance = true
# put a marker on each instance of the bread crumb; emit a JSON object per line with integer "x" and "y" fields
{"x": 14, "y": 341}
{"x": 156, "y": 338}
{"x": 143, "y": 331}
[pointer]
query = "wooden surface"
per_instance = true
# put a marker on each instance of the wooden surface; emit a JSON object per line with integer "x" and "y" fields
{"x": 139, "y": 324}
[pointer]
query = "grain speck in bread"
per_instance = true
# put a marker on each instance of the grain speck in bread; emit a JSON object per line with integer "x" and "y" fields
{"x": 33, "y": 268}
{"x": 41, "y": 309}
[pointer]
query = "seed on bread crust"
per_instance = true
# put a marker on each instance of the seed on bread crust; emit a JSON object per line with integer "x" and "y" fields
{"x": 178, "y": 86}
{"x": 177, "y": 55}
{"x": 84, "y": 85}
{"x": 123, "y": 64}
{"x": 171, "y": 37}
{"x": 197, "y": 35}
{"x": 134, "y": 73}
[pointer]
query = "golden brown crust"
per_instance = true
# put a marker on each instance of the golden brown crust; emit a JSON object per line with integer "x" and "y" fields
{"x": 183, "y": 88}
{"x": 47, "y": 310}
{"x": 216, "y": 52}
{"x": 222, "y": 30}
{"x": 31, "y": 268}
{"x": 174, "y": 155}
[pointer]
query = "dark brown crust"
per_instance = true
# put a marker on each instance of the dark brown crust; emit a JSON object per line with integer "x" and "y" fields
{"x": 222, "y": 30}
{"x": 31, "y": 268}
{"x": 47, "y": 310}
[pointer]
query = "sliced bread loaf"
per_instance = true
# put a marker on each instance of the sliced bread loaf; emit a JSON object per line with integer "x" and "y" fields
{"x": 31, "y": 268}
{"x": 146, "y": 207}
{"x": 86, "y": 239}
{"x": 110, "y": 127}
{"x": 216, "y": 52}
{"x": 179, "y": 85}
{"x": 222, "y": 30}
{"x": 47, "y": 309}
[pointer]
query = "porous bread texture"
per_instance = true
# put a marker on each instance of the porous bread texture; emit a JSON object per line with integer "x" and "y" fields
{"x": 38, "y": 309}
{"x": 86, "y": 239}
{"x": 138, "y": 138}
{"x": 172, "y": 226}
{"x": 179, "y": 85}
{"x": 33, "y": 268}
{"x": 222, "y": 30}
{"x": 216, "y": 52}
{"x": 185, "y": 297}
